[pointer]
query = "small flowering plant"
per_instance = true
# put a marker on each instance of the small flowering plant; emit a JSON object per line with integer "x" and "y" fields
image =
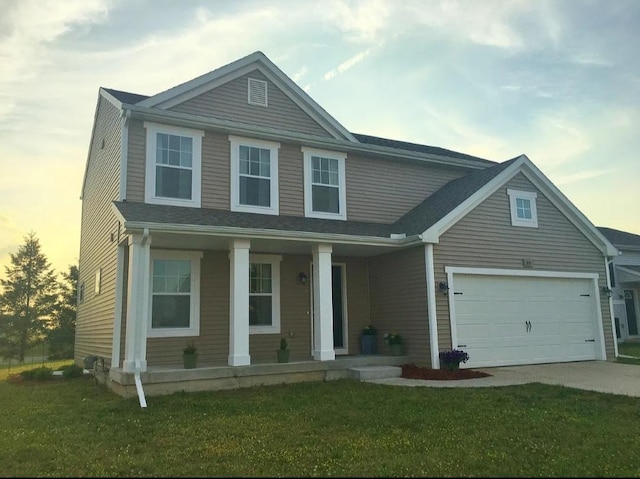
{"x": 452, "y": 359}
{"x": 392, "y": 338}
{"x": 369, "y": 331}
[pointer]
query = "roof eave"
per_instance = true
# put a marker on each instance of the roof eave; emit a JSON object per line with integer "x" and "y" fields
{"x": 266, "y": 133}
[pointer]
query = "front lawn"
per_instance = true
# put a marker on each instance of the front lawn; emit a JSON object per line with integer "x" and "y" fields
{"x": 629, "y": 349}
{"x": 71, "y": 427}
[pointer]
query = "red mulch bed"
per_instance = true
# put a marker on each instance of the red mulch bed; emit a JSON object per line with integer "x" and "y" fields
{"x": 411, "y": 371}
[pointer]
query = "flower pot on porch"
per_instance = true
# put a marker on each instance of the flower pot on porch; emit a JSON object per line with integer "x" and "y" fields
{"x": 283, "y": 355}
{"x": 396, "y": 349}
{"x": 190, "y": 360}
{"x": 368, "y": 344}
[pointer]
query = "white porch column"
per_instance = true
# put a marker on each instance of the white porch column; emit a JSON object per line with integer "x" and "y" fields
{"x": 322, "y": 304}
{"x": 135, "y": 352}
{"x": 239, "y": 303}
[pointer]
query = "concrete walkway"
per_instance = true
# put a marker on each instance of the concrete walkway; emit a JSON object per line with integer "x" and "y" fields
{"x": 601, "y": 376}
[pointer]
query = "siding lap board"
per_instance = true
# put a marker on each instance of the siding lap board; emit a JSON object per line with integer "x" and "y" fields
{"x": 229, "y": 102}
{"x": 484, "y": 238}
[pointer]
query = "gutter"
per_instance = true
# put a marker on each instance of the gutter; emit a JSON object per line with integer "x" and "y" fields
{"x": 238, "y": 128}
{"x": 136, "y": 375}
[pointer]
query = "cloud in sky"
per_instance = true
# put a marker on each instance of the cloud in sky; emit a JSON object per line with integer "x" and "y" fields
{"x": 554, "y": 80}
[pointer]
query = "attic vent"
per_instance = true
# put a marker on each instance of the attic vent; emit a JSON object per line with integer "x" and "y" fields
{"x": 257, "y": 92}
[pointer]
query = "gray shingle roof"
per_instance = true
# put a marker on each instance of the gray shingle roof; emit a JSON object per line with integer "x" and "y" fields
{"x": 620, "y": 238}
{"x": 179, "y": 215}
{"x": 416, "y": 221}
{"x": 403, "y": 145}
{"x": 126, "y": 97}
{"x": 445, "y": 200}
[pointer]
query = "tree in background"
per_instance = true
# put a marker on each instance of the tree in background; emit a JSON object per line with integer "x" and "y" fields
{"x": 28, "y": 301}
{"x": 62, "y": 334}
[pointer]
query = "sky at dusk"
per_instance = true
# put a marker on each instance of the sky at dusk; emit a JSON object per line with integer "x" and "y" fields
{"x": 556, "y": 80}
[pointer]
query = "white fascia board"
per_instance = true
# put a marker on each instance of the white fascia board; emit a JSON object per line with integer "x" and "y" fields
{"x": 432, "y": 234}
{"x": 227, "y": 73}
{"x": 525, "y": 166}
{"x": 273, "y": 134}
{"x": 628, "y": 271}
{"x": 573, "y": 214}
{"x": 112, "y": 99}
{"x": 520, "y": 272}
{"x": 259, "y": 233}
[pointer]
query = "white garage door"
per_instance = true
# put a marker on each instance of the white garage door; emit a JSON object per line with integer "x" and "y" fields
{"x": 508, "y": 320}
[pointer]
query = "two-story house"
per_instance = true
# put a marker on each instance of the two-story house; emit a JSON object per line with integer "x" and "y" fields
{"x": 233, "y": 210}
{"x": 624, "y": 272}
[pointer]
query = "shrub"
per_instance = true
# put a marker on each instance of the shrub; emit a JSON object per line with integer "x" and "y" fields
{"x": 38, "y": 374}
{"x": 71, "y": 371}
{"x": 392, "y": 338}
{"x": 369, "y": 331}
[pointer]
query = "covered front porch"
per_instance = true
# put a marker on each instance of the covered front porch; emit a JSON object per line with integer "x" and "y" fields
{"x": 317, "y": 298}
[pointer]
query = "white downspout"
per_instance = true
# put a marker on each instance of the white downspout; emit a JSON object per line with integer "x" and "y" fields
{"x": 136, "y": 376}
{"x": 431, "y": 306}
{"x": 613, "y": 319}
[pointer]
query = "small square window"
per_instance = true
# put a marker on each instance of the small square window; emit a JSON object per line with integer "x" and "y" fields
{"x": 523, "y": 208}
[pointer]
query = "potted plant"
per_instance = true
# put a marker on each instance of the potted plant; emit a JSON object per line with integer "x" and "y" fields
{"x": 451, "y": 359}
{"x": 190, "y": 355}
{"x": 395, "y": 342}
{"x": 369, "y": 340}
{"x": 283, "y": 351}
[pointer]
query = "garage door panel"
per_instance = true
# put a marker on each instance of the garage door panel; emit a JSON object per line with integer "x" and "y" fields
{"x": 504, "y": 320}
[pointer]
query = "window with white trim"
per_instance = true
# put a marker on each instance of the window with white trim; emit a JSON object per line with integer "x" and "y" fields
{"x": 254, "y": 175}
{"x": 523, "y": 208}
{"x": 175, "y": 293}
{"x": 173, "y": 165}
{"x": 324, "y": 184}
{"x": 264, "y": 294}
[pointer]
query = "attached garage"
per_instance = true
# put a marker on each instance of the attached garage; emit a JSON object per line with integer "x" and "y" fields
{"x": 506, "y": 317}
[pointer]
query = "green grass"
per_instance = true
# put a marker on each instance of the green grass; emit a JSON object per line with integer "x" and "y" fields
{"x": 629, "y": 349}
{"x": 340, "y": 428}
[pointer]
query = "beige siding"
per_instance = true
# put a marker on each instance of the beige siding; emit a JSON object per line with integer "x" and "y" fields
{"x": 213, "y": 342}
{"x": 229, "y": 102}
{"x": 295, "y": 320}
{"x": 485, "y": 239}
{"x": 216, "y": 171}
{"x": 384, "y": 190}
{"x": 136, "y": 161}
{"x": 358, "y": 310}
{"x": 291, "y": 180}
{"x": 94, "y": 333}
{"x": 377, "y": 190}
{"x": 399, "y": 300}
{"x": 295, "y": 300}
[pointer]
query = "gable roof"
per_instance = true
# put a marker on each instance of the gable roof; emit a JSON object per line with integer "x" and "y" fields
{"x": 404, "y": 145}
{"x": 621, "y": 239}
{"x": 485, "y": 184}
{"x": 231, "y": 71}
{"x": 125, "y": 97}
{"x": 445, "y": 200}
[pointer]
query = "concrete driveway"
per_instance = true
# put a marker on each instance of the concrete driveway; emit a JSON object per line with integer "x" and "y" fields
{"x": 601, "y": 376}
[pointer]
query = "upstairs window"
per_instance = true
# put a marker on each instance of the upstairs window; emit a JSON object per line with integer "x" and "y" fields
{"x": 324, "y": 188}
{"x": 254, "y": 175}
{"x": 523, "y": 208}
{"x": 173, "y": 165}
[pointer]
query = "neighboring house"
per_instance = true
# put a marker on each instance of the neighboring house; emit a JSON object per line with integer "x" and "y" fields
{"x": 624, "y": 271}
{"x": 233, "y": 210}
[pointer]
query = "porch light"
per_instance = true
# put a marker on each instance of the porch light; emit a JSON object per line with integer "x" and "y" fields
{"x": 302, "y": 277}
{"x": 607, "y": 291}
{"x": 444, "y": 287}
